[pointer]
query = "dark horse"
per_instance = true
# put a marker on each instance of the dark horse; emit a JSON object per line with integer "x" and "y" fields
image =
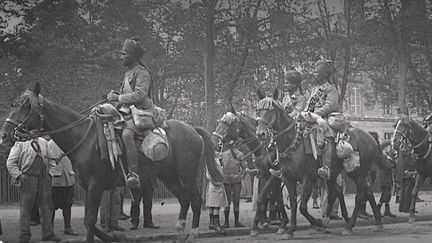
{"x": 302, "y": 167}
{"x": 77, "y": 136}
{"x": 241, "y": 129}
{"x": 408, "y": 129}
{"x": 296, "y": 164}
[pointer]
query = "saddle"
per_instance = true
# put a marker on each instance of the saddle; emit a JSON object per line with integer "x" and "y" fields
{"x": 110, "y": 123}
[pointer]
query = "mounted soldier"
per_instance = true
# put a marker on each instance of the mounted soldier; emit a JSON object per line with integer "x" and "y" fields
{"x": 324, "y": 100}
{"x": 134, "y": 93}
{"x": 294, "y": 102}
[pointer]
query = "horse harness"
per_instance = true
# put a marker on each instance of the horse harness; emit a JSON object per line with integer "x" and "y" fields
{"x": 22, "y": 134}
{"x": 425, "y": 141}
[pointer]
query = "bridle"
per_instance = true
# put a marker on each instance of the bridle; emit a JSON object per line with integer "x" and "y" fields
{"x": 273, "y": 133}
{"x": 238, "y": 142}
{"x": 21, "y": 133}
{"x": 405, "y": 136}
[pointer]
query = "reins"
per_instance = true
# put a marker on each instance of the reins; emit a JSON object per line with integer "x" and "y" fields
{"x": 24, "y": 136}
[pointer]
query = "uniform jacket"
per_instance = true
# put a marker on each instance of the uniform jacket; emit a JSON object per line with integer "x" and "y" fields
{"x": 62, "y": 174}
{"x": 326, "y": 99}
{"x": 294, "y": 103}
{"x": 135, "y": 87}
{"x": 22, "y": 155}
{"x": 233, "y": 168}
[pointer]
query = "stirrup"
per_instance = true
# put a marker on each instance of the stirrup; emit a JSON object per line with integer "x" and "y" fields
{"x": 132, "y": 180}
{"x": 324, "y": 172}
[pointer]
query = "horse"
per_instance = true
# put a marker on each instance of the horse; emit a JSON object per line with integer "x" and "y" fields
{"x": 77, "y": 136}
{"x": 299, "y": 166}
{"x": 409, "y": 130}
{"x": 234, "y": 126}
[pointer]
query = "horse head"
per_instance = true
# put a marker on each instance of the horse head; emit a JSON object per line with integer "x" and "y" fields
{"x": 25, "y": 115}
{"x": 268, "y": 113}
{"x": 408, "y": 130}
{"x": 228, "y": 129}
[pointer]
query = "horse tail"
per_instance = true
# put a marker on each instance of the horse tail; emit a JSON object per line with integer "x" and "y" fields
{"x": 208, "y": 154}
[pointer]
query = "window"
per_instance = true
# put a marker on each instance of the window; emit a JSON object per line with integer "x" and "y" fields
{"x": 388, "y": 135}
{"x": 387, "y": 109}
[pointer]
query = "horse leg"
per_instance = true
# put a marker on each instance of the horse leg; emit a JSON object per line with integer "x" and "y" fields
{"x": 281, "y": 208}
{"x": 292, "y": 190}
{"x": 360, "y": 199}
{"x": 375, "y": 209}
{"x": 262, "y": 198}
{"x": 173, "y": 184}
{"x": 420, "y": 179}
{"x": 307, "y": 186}
{"x": 196, "y": 202}
{"x": 342, "y": 204}
{"x": 92, "y": 202}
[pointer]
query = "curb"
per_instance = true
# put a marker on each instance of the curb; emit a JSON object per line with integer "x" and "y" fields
{"x": 273, "y": 229}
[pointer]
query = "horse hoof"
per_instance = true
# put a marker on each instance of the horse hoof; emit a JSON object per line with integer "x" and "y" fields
{"x": 193, "y": 235}
{"x": 280, "y": 231}
{"x": 411, "y": 219}
{"x": 119, "y": 237}
{"x": 347, "y": 232}
{"x": 379, "y": 228}
{"x": 253, "y": 233}
{"x": 289, "y": 236}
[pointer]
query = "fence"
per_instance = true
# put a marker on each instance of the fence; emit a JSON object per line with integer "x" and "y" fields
{"x": 10, "y": 194}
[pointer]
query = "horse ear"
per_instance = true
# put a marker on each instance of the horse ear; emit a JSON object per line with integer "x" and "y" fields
{"x": 275, "y": 94}
{"x": 261, "y": 93}
{"x": 232, "y": 109}
{"x": 35, "y": 88}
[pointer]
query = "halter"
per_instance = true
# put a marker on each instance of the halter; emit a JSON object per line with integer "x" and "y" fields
{"x": 21, "y": 134}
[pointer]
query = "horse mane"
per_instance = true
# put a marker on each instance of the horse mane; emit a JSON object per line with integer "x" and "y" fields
{"x": 27, "y": 97}
{"x": 229, "y": 118}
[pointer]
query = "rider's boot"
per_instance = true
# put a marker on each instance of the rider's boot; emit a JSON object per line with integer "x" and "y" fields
{"x": 132, "y": 179}
{"x": 387, "y": 211}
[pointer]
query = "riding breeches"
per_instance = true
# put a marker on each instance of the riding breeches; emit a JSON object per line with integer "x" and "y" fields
{"x": 130, "y": 148}
{"x": 233, "y": 194}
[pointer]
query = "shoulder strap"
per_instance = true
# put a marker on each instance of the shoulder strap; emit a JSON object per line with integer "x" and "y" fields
{"x": 149, "y": 93}
{"x": 234, "y": 155}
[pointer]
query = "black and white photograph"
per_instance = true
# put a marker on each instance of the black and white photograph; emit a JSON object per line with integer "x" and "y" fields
{"x": 219, "y": 121}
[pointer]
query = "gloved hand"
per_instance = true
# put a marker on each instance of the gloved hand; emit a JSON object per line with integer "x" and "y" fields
{"x": 112, "y": 96}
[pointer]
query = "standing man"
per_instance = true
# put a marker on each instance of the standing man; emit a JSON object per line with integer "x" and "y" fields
{"x": 324, "y": 100}
{"x": 29, "y": 167}
{"x": 146, "y": 195}
{"x": 134, "y": 90}
{"x": 63, "y": 182}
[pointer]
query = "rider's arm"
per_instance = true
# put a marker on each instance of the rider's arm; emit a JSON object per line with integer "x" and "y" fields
{"x": 300, "y": 106}
{"x": 140, "y": 92}
{"x": 331, "y": 103}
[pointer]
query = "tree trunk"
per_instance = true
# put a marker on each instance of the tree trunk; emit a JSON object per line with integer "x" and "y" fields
{"x": 208, "y": 65}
